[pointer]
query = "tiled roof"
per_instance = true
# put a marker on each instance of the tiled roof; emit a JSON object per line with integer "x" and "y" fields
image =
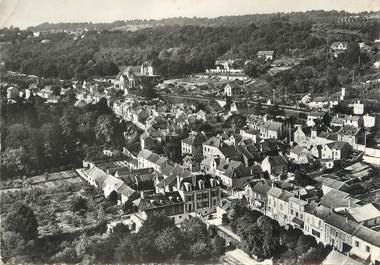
{"x": 272, "y": 125}
{"x": 341, "y": 223}
{"x": 261, "y": 187}
{"x": 349, "y": 130}
{"x": 197, "y": 139}
{"x": 364, "y": 213}
{"x": 339, "y": 145}
{"x": 335, "y": 184}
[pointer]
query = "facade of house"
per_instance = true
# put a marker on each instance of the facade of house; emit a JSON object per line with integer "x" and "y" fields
{"x": 256, "y": 194}
{"x": 232, "y": 90}
{"x": 266, "y": 55}
{"x": 336, "y": 150}
{"x": 349, "y": 134}
{"x": 235, "y": 178}
{"x": 201, "y": 193}
{"x": 274, "y": 165}
{"x": 338, "y": 48}
{"x": 192, "y": 145}
{"x": 302, "y": 136}
{"x": 147, "y": 69}
{"x": 313, "y": 118}
{"x": 271, "y": 130}
{"x": 278, "y": 205}
{"x": 369, "y": 121}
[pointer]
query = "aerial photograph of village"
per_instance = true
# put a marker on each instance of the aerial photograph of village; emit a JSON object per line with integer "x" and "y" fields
{"x": 190, "y": 132}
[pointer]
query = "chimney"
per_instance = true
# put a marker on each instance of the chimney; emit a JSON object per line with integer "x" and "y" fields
{"x": 142, "y": 194}
{"x": 349, "y": 203}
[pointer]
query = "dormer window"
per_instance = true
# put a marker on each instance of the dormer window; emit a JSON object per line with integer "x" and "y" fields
{"x": 201, "y": 184}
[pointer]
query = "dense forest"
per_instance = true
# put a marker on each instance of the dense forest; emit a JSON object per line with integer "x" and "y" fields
{"x": 38, "y": 137}
{"x": 175, "y": 50}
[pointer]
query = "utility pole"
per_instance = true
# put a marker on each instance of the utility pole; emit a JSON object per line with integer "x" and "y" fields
{"x": 273, "y": 97}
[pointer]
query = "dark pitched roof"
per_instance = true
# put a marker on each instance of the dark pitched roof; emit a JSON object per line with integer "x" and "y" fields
{"x": 231, "y": 152}
{"x": 277, "y": 160}
{"x": 158, "y": 200}
{"x": 261, "y": 187}
{"x": 197, "y": 139}
{"x": 349, "y": 130}
{"x": 341, "y": 223}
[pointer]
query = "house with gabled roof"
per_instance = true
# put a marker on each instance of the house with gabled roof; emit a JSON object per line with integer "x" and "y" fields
{"x": 271, "y": 130}
{"x": 212, "y": 145}
{"x": 278, "y": 205}
{"x": 256, "y": 194}
{"x": 367, "y": 214}
{"x": 192, "y": 163}
{"x": 192, "y": 145}
{"x": 232, "y": 90}
{"x": 266, "y": 55}
{"x": 336, "y": 150}
{"x": 314, "y": 224}
{"x": 201, "y": 193}
{"x": 275, "y": 165}
{"x": 169, "y": 204}
{"x": 329, "y": 184}
{"x": 313, "y": 118}
{"x": 338, "y": 48}
{"x": 302, "y": 136}
{"x": 349, "y": 134}
{"x": 235, "y": 177}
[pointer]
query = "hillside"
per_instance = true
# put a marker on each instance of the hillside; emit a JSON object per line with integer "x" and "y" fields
{"x": 177, "y": 50}
{"x": 317, "y": 16}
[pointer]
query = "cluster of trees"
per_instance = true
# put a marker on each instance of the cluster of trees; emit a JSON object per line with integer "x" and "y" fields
{"x": 317, "y": 74}
{"x": 263, "y": 237}
{"x": 37, "y": 136}
{"x": 19, "y": 234}
{"x": 160, "y": 240}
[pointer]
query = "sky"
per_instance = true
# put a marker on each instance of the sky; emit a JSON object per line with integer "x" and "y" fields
{"x": 24, "y": 13}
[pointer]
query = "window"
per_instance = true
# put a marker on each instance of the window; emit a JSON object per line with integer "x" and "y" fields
{"x": 205, "y": 195}
{"x": 297, "y": 214}
{"x": 368, "y": 249}
{"x": 301, "y": 216}
{"x": 205, "y": 204}
{"x": 214, "y": 193}
{"x": 315, "y": 233}
{"x": 357, "y": 244}
{"x": 269, "y": 201}
{"x": 199, "y": 196}
{"x": 199, "y": 205}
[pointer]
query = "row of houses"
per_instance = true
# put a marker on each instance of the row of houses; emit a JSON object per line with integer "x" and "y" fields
{"x": 347, "y": 224}
{"x": 156, "y": 187}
